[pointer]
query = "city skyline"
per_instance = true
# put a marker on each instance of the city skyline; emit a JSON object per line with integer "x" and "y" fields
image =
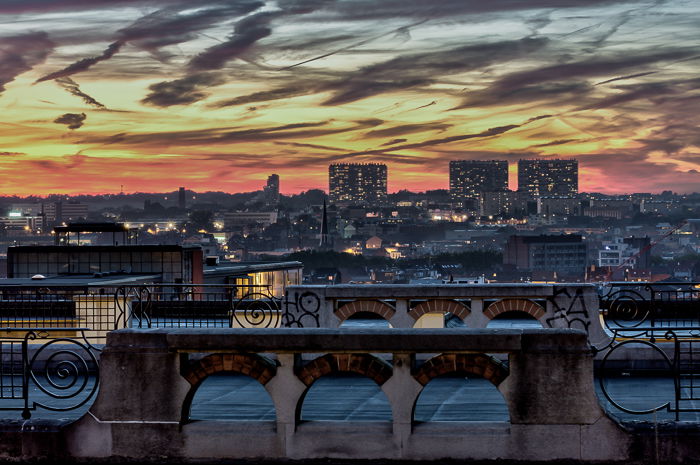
{"x": 155, "y": 95}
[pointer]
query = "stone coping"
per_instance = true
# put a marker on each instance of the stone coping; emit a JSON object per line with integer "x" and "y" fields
{"x": 380, "y": 340}
{"x": 425, "y": 291}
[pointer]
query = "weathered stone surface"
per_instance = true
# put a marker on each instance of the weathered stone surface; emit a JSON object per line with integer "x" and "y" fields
{"x": 548, "y": 389}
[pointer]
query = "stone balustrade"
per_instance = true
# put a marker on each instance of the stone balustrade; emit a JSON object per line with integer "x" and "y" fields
{"x": 403, "y": 305}
{"x": 149, "y": 378}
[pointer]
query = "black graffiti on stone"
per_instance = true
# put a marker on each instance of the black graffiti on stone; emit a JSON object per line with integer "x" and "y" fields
{"x": 302, "y": 311}
{"x": 572, "y": 316}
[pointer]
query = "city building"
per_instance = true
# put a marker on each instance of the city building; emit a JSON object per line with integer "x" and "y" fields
{"x": 659, "y": 207}
{"x": 18, "y": 221}
{"x": 550, "y": 177}
{"x": 357, "y": 183}
{"x": 62, "y": 212}
{"x": 557, "y": 206}
{"x": 470, "y": 178}
{"x": 504, "y": 203}
{"x": 269, "y": 278}
{"x": 239, "y": 220}
{"x": 564, "y": 254}
{"x": 616, "y": 253}
{"x": 643, "y": 246}
{"x": 173, "y": 263}
{"x": 272, "y": 190}
{"x": 125, "y": 262}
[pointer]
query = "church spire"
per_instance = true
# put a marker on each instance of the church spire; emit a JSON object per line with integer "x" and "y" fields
{"x": 325, "y": 240}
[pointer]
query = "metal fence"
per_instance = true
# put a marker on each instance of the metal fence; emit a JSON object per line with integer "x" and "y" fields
{"x": 663, "y": 321}
{"x": 50, "y": 337}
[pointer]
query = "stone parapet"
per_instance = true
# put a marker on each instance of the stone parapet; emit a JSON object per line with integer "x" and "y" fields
{"x": 561, "y": 305}
{"x": 149, "y": 378}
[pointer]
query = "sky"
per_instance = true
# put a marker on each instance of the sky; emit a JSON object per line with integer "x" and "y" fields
{"x": 100, "y": 96}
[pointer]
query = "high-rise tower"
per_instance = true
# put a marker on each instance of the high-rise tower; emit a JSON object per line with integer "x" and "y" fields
{"x": 357, "y": 183}
{"x": 548, "y": 177}
{"x": 469, "y": 178}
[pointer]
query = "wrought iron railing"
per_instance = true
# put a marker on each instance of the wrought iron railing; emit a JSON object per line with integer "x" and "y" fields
{"x": 51, "y": 337}
{"x": 200, "y": 306}
{"x": 661, "y": 320}
{"x": 44, "y": 370}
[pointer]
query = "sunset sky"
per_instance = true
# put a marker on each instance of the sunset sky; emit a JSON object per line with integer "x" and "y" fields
{"x": 217, "y": 95}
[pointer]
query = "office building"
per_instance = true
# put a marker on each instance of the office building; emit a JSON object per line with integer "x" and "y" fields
{"x": 564, "y": 254}
{"x": 357, "y": 183}
{"x": 62, "y": 212}
{"x": 469, "y": 178}
{"x": 539, "y": 178}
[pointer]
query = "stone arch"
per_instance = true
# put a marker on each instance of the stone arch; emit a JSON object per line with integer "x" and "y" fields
{"x": 482, "y": 365}
{"x": 366, "y": 365}
{"x": 382, "y": 309}
{"x": 253, "y": 365}
{"x": 440, "y": 306}
{"x": 514, "y": 305}
{"x": 363, "y": 364}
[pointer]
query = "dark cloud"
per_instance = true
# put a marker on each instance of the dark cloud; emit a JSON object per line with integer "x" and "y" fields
{"x": 653, "y": 91}
{"x": 246, "y": 33}
{"x": 401, "y": 73}
{"x": 180, "y": 23}
{"x": 19, "y": 54}
{"x": 623, "y": 78}
{"x": 26, "y": 6}
{"x": 389, "y": 9}
{"x": 406, "y": 129}
{"x": 646, "y": 91}
{"x": 85, "y": 63}
{"x": 183, "y": 91}
{"x": 491, "y": 132}
{"x": 72, "y": 120}
{"x": 563, "y": 80}
{"x": 216, "y": 136}
{"x": 167, "y": 26}
{"x": 425, "y": 106}
{"x": 356, "y": 9}
{"x": 421, "y": 69}
{"x": 393, "y": 142}
{"x": 70, "y": 163}
{"x": 402, "y": 29}
{"x": 559, "y": 91}
{"x": 74, "y": 89}
{"x": 313, "y": 40}
{"x": 294, "y": 90}
{"x": 555, "y": 143}
{"x": 312, "y": 146}
{"x": 11, "y": 154}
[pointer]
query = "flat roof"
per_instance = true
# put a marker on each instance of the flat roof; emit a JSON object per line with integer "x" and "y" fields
{"x": 80, "y": 280}
{"x": 249, "y": 267}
